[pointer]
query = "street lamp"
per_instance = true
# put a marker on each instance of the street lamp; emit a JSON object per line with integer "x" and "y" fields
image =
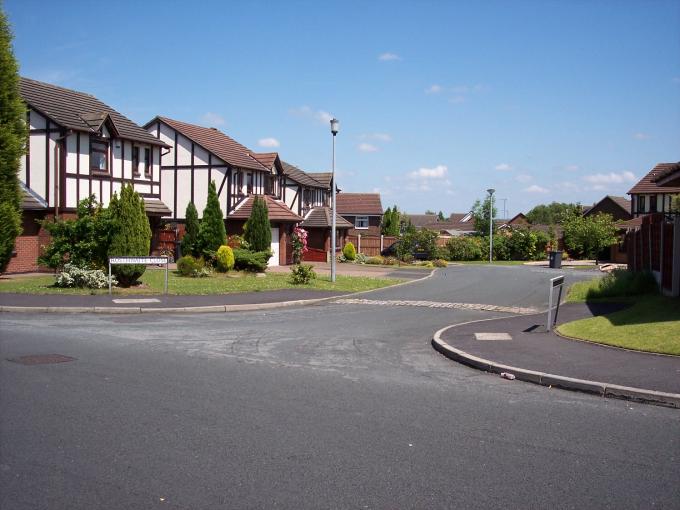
{"x": 491, "y": 191}
{"x": 335, "y": 125}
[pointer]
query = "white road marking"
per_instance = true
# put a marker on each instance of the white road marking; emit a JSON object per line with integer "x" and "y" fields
{"x": 492, "y": 336}
{"x": 144, "y": 300}
{"x": 436, "y": 304}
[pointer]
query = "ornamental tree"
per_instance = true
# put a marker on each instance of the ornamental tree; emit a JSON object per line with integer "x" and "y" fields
{"x": 12, "y": 145}
{"x": 211, "y": 233}
{"x": 586, "y": 236}
{"x": 480, "y": 215}
{"x": 190, "y": 240}
{"x": 257, "y": 230}
{"x": 131, "y": 233}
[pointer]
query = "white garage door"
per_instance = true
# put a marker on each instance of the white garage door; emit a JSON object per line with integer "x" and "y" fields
{"x": 274, "y": 261}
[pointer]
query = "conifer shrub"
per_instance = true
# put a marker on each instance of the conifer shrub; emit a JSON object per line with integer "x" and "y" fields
{"x": 224, "y": 260}
{"x": 349, "y": 251}
{"x": 189, "y": 242}
{"x": 257, "y": 230}
{"x": 13, "y": 132}
{"x": 130, "y": 234}
{"x": 211, "y": 232}
{"x": 253, "y": 261}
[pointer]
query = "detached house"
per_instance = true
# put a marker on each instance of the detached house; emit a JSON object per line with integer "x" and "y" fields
{"x": 363, "y": 210}
{"x": 198, "y": 155}
{"x": 78, "y": 146}
{"x": 653, "y": 192}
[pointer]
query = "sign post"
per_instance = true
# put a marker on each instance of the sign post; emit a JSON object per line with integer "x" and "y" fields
{"x": 558, "y": 282}
{"x": 139, "y": 260}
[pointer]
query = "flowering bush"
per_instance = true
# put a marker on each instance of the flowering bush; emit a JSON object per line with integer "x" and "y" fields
{"x": 82, "y": 277}
{"x": 299, "y": 242}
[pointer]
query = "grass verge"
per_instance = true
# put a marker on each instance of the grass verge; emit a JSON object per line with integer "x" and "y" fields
{"x": 619, "y": 285}
{"x": 153, "y": 280}
{"x": 652, "y": 324}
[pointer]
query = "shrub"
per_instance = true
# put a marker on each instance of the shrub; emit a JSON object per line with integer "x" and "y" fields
{"x": 375, "y": 260}
{"x": 341, "y": 257}
{"x": 73, "y": 276}
{"x": 349, "y": 251}
{"x": 586, "y": 236}
{"x": 253, "y": 261}
{"x": 257, "y": 230}
{"x": 211, "y": 233}
{"x": 192, "y": 266}
{"x": 224, "y": 260}
{"x": 360, "y": 258}
{"x": 390, "y": 261}
{"x": 299, "y": 241}
{"x": 440, "y": 263}
{"x": 464, "y": 248}
{"x": 407, "y": 258}
{"x": 302, "y": 274}
{"x": 521, "y": 243}
{"x": 421, "y": 241}
{"x": 235, "y": 241}
{"x": 130, "y": 235}
{"x": 190, "y": 240}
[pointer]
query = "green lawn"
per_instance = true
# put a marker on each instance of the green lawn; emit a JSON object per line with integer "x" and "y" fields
{"x": 152, "y": 283}
{"x": 652, "y": 324}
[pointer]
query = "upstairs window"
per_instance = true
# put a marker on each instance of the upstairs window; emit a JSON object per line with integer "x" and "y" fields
{"x": 135, "y": 161}
{"x": 99, "y": 155}
{"x": 361, "y": 222}
{"x": 652, "y": 203}
{"x": 147, "y": 162}
{"x": 641, "y": 203}
{"x": 249, "y": 183}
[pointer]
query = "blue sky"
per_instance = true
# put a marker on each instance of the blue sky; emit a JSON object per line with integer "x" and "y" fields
{"x": 438, "y": 101}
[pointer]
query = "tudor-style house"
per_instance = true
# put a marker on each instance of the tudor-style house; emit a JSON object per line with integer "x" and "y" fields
{"x": 198, "y": 155}
{"x": 78, "y": 146}
{"x": 650, "y": 194}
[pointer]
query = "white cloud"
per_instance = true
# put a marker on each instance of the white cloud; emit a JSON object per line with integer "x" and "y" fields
{"x": 503, "y": 167}
{"x": 212, "y": 119}
{"x": 641, "y": 136}
{"x": 524, "y": 178}
{"x": 268, "y": 142}
{"x": 438, "y": 172}
{"x": 535, "y": 188}
{"x": 309, "y": 113}
{"x": 610, "y": 178}
{"x": 434, "y": 89}
{"x": 387, "y": 57}
{"x": 367, "y": 147}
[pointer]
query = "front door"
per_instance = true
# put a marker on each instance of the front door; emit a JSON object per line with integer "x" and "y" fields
{"x": 274, "y": 261}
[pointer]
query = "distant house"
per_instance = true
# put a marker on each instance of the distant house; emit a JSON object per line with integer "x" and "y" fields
{"x": 79, "y": 146}
{"x": 198, "y": 155}
{"x": 363, "y": 210}
{"x": 618, "y": 207}
{"x": 654, "y": 191}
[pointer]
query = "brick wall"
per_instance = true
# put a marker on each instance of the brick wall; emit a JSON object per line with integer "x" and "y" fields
{"x": 28, "y": 245}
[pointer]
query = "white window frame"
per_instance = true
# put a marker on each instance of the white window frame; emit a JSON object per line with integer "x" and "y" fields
{"x": 356, "y": 222}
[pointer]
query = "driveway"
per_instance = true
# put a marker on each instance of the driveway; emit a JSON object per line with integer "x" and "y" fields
{"x": 335, "y": 405}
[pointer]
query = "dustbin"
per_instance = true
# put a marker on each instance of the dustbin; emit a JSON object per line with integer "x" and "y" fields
{"x": 555, "y": 259}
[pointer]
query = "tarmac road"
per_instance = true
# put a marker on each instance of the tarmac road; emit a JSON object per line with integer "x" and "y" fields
{"x": 327, "y": 406}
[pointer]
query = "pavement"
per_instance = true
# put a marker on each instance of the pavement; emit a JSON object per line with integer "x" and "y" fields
{"x": 522, "y": 346}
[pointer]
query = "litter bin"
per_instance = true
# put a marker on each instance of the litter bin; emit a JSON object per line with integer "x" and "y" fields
{"x": 555, "y": 259}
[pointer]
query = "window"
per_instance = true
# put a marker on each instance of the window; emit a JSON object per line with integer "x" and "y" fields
{"x": 269, "y": 185}
{"x": 641, "y": 203}
{"x": 99, "y": 154}
{"x": 249, "y": 183}
{"x": 238, "y": 179}
{"x": 307, "y": 197}
{"x": 652, "y": 203}
{"x": 361, "y": 222}
{"x": 135, "y": 160}
{"x": 147, "y": 162}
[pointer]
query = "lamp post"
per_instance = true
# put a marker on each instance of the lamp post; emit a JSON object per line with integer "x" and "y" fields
{"x": 491, "y": 191}
{"x": 335, "y": 125}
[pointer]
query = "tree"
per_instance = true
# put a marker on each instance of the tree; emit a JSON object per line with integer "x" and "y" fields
{"x": 440, "y": 216}
{"x": 190, "y": 240}
{"x": 586, "y": 236}
{"x": 211, "y": 233}
{"x": 257, "y": 230}
{"x": 480, "y": 215}
{"x": 551, "y": 214}
{"x": 12, "y": 145}
{"x": 390, "y": 222}
{"x": 131, "y": 233}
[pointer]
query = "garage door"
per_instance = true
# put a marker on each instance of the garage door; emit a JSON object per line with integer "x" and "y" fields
{"x": 274, "y": 261}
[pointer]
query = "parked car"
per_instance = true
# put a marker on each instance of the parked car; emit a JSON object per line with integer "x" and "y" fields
{"x": 391, "y": 251}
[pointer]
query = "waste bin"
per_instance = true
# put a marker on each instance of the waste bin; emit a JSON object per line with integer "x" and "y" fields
{"x": 555, "y": 259}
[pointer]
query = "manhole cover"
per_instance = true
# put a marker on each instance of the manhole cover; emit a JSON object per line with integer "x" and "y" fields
{"x": 42, "y": 359}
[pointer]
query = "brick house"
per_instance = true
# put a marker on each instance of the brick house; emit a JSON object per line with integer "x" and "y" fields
{"x": 363, "y": 210}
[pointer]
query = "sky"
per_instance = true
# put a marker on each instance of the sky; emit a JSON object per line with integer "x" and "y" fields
{"x": 437, "y": 101}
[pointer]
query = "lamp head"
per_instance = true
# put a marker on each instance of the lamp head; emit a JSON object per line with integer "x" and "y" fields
{"x": 335, "y": 126}
{"x": 491, "y": 191}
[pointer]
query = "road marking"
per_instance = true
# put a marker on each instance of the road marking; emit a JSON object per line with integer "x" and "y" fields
{"x": 436, "y": 304}
{"x": 147, "y": 300}
{"x": 492, "y": 336}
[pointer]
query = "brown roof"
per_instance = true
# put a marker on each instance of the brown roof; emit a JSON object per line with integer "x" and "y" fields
{"x": 648, "y": 183}
{"x": 422, "y": 220}
{"x": 323, "y": 177}
{"x": 79, "y": 111}
{"x": 322, "y": 217}
{"x": 266, "y": 159}
{"x": 669, "y": 176}
{"x": 634, "y": 223}
{"x": 359, "y": 203}
{"x": 622, "y": 202}
{"x": 213, "y": 140}
{"x": 156, "y": 207}
{"x": 301, "y": 176}
{"x": 278, "y": 211}
{"x": 31, "y": 200}
{"x": 518, "y": 219}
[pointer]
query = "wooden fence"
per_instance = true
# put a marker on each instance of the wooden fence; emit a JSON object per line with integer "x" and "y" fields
{"x": 371, "y": 246}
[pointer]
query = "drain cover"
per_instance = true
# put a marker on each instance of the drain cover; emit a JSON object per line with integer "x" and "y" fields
{"x": 42, "y": 359}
